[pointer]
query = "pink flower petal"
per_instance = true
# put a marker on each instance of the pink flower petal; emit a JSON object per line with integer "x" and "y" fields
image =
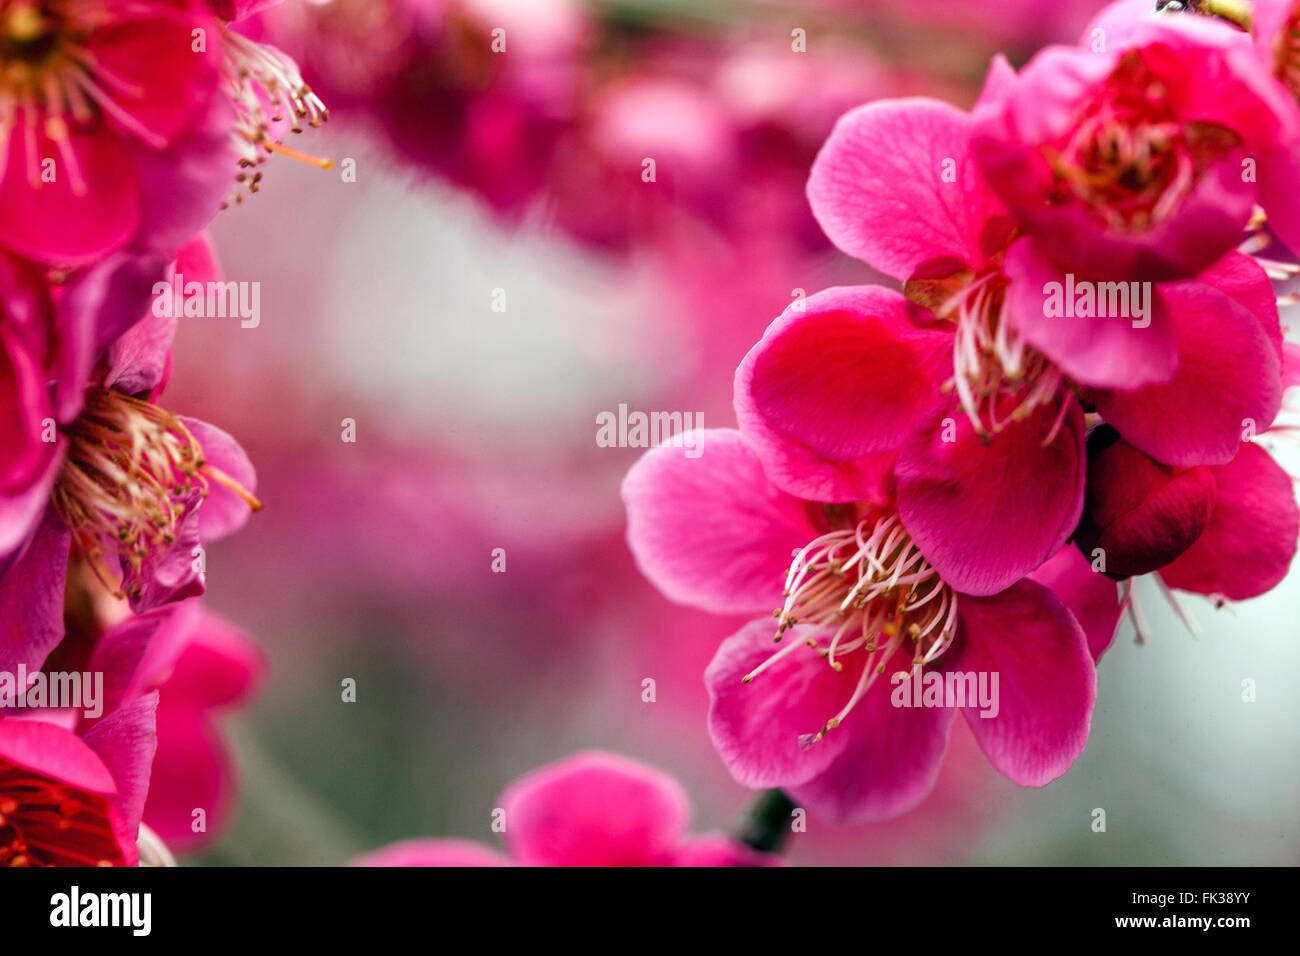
{"x": 890, "y": 762}
{"x": 757, "y": 727}
{"x": 1250, "y": 540}
{"x": 31, "y": 597}
{"x": 73, "y": 220}
{"x": 894, "y": 186}
{"x": 1102, "y": 352}
{"x": 125, "y": 740}
{"x": 1092, "y": 597}
{"x": 1046, "y": 680}
{"x": 844, "y": 373}
{"x": 594, "y": 809}
{"x": 712, "y": 531}
{"x": 1228, "y": 381}
{"x": 222, "y": 511}
{"x": 986, "y": 514}
{"x": 720, "y": 850}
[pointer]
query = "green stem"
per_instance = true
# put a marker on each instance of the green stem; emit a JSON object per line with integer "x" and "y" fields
{"x": 766, "y": 826}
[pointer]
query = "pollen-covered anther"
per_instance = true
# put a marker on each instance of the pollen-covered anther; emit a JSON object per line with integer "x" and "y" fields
{"x": 268, "y": 91}
{"x": 132, "y": 473}
{"x": 861, "y": 593}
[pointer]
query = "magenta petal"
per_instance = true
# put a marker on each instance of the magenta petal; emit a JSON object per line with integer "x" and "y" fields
{"x": 594, "y": 809}
{"x": 125, "y": 741}
{"x": 121, "y": 652}
{"x": 24, "y": 407}
{"x": 216, "y": 665}
{"x": 1092, "y": 597}
{"x": 845, "y": 372}
{"x": 31, "y": 597}
{"x": 222, "y": 511}
{"x": 99, "y": 305}
{"x": 757, "y": 727}
{"x": 1248, "y": 545}
{"x": 186, "y": 185}
{"x": 22, "y": 511}
{"x": 891, "y": 759}
{"x": 52, "y": 751}
{"x": 1102, "y": 352}
{"x": 894, "y": 186}
{"x": 1228, "y": 383}
{"x": 235, "y": 10}
{"x": 67, "y": 222}
{"x": 1243, "y": 279}
{"x": 439, "y": 853}
{"x": 173, "y": 573}
{"x": 1279, "y": 171}
{"x": 1046, "y": 680}
{"x": 985, "y": 515}
{"x": 712, "y": 531}
{"x": 191, "y": 770}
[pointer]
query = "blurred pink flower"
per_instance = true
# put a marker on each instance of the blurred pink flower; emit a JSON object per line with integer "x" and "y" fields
{"x": 200, "y": 665}
{"x": 591, "y": 809}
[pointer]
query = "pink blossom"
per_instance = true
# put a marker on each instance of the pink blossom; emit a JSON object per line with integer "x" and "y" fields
{"x": 128, "y": 479}
{"x": 842, "y": 379}
{"x": 591, "y": 809}
{"x": 811, "y": 715}
{"x": 113, "y": 131}
{"x": 1133, "y": 161}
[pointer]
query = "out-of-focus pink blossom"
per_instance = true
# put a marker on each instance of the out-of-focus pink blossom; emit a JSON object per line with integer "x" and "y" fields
{"x": 591, "y": 809}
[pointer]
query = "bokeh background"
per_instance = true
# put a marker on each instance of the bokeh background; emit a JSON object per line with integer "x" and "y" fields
{"x": 475, "y": 430}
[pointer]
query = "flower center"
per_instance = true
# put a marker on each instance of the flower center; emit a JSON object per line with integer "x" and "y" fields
{"x": 267, "y": 91}
{"x": 998, "y": 378}
{"x": 864, "y": 592}
{"x": 45, "y": 823}
{"x": 1128, "y": 158}
{"x": 49, "y": 80}
{"x": 1288, "y": 52}
{"x": 132, "y": 473}
{"x": 26, "y": 32}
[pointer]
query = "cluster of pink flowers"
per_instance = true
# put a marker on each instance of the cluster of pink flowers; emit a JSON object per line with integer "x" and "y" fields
{"x": 124, "y": 128}
{"x": 960, "y": 476}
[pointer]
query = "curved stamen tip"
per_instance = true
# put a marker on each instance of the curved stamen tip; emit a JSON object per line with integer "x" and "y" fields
{"x": 230, "y": 484}
{"x": 320, "y": 162}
